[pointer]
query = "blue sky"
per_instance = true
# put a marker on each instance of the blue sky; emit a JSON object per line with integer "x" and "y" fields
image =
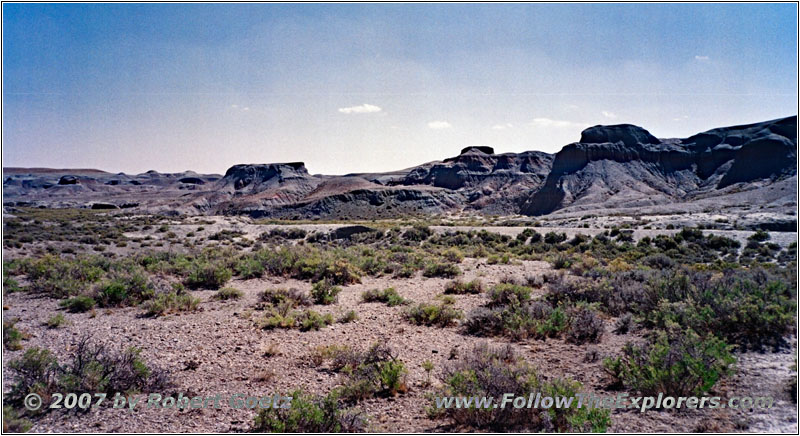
{"x": 356, "y": 87}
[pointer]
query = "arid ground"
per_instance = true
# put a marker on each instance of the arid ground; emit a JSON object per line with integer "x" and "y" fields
{"x": 224, "y": 305}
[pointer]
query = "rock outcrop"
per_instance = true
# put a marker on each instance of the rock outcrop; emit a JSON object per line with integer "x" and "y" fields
{"x": 626, "y": 166}
{"x": 620, "y": 166}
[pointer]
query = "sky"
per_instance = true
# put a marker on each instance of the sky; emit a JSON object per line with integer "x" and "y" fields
{"x": 374, "y": 87}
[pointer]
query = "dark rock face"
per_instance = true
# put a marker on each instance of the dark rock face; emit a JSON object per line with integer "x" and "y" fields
{"x": 482, "y": 148}
{"x": 192, "y": 180}
{"x": 68, "y": 180}
{"x": 627, "y": 162}
{"x": 256, "y": 177}
{"x": 620, "y": 166}
{"x": 627, "y": 134}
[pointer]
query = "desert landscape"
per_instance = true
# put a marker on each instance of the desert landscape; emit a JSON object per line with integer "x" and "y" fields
{"x": 623, "y": 263}
{"x": 399, "y": 218}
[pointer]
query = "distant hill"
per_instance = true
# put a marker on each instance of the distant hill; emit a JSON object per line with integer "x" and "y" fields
{"x": 610, "y": 167}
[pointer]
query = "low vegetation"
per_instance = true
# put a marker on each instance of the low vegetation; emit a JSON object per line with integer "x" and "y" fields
{"x": 492, "y": 372}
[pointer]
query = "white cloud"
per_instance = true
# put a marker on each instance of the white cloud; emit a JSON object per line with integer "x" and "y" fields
{"x": 701, "y": 58}
{"x": 549, "y": 122}
{"x": 361, "y": 109}
{"x": 437, "y": 125}
{"x": 681, "y": 118}
{"x": 608, "y": 114}
{"x": 502, "y": 126}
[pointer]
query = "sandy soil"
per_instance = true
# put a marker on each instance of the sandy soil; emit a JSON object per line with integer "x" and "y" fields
{"x": 223, "y": 339}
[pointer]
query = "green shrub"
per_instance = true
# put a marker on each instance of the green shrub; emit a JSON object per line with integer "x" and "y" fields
{"x": 418, "y": 233}
{"x": 293, "y": 296}
{"x": 208, "y": 275}
{"x": 759, "y": 236}
{"x": 492, "y": 372}
{"x": 376, "y": 371}
{"x": 750, "y": 308}
{"x": 228, "y": 294}
{"x": 13, "y": 423}
{"x": 311, "y": 320}
{"x": 509, "y": 293}
{"x": 12, "y": 337}
{"x": 347, "y": 317}
{"x": 308, "y": 414}
{"x": 584, "y": 326}
{"x": 441, "y": 315}
{"x": 249, "y": 268}
{"x": 561, "y": 261}
{"x": 518, "y": 321}
{"x": 170, "y": 302}
{"x": 388, "y": 296}
{"x": 59, "y": 278}
{"x": 459, "y": 287}
{"x": 324, "y": 292}
{"x": 453, "y": 254}
{"x": 56, "y": 321}
{"x": 439, "y": 269}
{"x": 81, "y": 303}
{"x": 124, "y": 289}
{"x": 678, "y": 363}
{"x": 91, "y": 369}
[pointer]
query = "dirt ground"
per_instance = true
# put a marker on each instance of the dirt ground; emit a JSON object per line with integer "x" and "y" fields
{"x": 223, "y": 339}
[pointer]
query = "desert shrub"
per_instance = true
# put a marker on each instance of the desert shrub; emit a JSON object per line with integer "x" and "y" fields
{"x": 623, "y": 324}
{"x": 453, "y": 254}
{"x": 324, "y": 292}
{"x": 309, "y": 414}
{"x": 561, "y": 261}
{"x": 659, "y": 261}
{"x": 459, "y": 287}
{"x": 59, "y": 278}
{"x": 347, "y": 317}
{"x": 10, "y": 285}
{"x": 92, "y": 368}
{"x": 518, "y": 321}
{"x": 280, "y": 316}
{"x": 441, "y": 315}
{"x": 285, "y": 317}
{"x": 759, "y": 236}
{"x": 677, "y": 363}
{"x": 208, "y": 274}
{"x": 56, "y": 321}
{"x": 388, "y": 296}
{"x": 228, "y": 294}
{"x": 492, "y": 372}
{"x": 248, "y": 267}
{"x": 554, "y": 238}
{"x": 494, "y": 259}
{"x": 417, "y": 233}
{"x": 12, "y": 337}
{"x": 311, "y": 320}
{"x": 125, "y": 288}
{"x": 170, "y": 302}
{"x": 440, "y": 269}
{"x": 81, "y": 303}
{"x": 225, "y": 235}
{"x": 340, "y": 272}
{"x": 294, "y": 297}
{"x": 584, "y": 326}
{"x": 374, "y": 372}
{"x": 13, "y": 423}
{"x": 750, "y": 308}
{"x": 509, "y": 293}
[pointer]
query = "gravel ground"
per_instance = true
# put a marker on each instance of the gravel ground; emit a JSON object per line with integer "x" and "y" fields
{"x": 223, "y": 339}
